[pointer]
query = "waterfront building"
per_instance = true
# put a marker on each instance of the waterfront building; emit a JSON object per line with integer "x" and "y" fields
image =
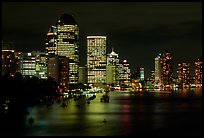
{"x": 111, "y": 74}
{"x": 124, "y": 73}
{"x": 157, "y": 63}
{"x": 63, "y": 40}
{"x": 138, "y": 74}
{"x": 198, "y": 72}
{"x": 184, "y": 74}
{"x": 83, "y": 75}
{"x": 112, "y": 68}
{"x": 58, "y": 68}
{"x": 141, "y": 73}
{"x": 166, "y": 69}
{"x": 96, "y": 59}
{"x": 152, "y": 75}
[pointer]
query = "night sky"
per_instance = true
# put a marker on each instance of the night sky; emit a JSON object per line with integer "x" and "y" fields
{"x": 137, "y": 31}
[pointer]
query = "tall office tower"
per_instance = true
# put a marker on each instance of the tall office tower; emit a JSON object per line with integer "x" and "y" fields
{"x": 124, "y": 73}
{"x": 9, "y": 65}
{"x": 198, "y": 72}
{"x": 184, "y": 74}
{"x": 63, "y": 40}
{"x": 112, "y": 68}
{"x": 96, "y": 59}
{"x": 166, "y": 69}
{"x": 157, "y": 62}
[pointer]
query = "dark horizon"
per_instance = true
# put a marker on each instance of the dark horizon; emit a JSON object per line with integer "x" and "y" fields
{"x": 138, "y": 31}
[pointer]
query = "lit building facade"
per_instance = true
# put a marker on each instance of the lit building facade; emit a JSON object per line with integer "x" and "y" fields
{"x": 111, "y": 74}
{"x": 112, "y": 68}
{"x": 18, "y": 56}
{"x": 96, "y": 59}
{"x": 9, "y": 62}
{"x": 63, "y": 40}
{"x": 41, "y": 66}
{"x": 152, "y": 75}
{"x": 184, "y": 74}
{"x": 139, "y": 74}
{"x": 124, "y": 73}
{"x": 51, "y": 42}
{"x": 33, "y": 64}
{"x": 157, "y": 70}
{"x": 28, "y": 64}
{"x": 141, "y": 70}
{"x": 198, "y": 72}
{"x": 113, "y": 58}
{"x": 166, "y": 69}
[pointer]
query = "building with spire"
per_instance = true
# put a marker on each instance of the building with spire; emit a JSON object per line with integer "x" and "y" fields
{"x": 112, "y": 68}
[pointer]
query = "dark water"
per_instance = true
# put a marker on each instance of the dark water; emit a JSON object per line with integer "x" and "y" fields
{"x": 127, "y": 113}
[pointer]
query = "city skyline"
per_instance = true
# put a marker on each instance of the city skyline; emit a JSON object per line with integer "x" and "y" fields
{"x": 137, "y": 31}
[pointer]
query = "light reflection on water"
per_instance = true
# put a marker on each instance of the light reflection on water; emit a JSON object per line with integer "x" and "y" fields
{"x": 126, "y": 114}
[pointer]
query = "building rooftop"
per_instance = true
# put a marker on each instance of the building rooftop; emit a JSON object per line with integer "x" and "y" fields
{"x": 66, "y": 19}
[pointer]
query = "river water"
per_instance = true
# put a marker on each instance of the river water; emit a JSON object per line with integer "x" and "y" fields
{"x": 127, "y": 113}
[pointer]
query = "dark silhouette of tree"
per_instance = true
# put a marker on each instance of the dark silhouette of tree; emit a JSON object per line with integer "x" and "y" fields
{"x": 18, "y": 93}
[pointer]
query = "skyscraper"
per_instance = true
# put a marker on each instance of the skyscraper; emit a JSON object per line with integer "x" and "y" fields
{"x": 51, "y": 41}
{"x": 158, "y": 70}
{"x": 63, "y": 40}
{"x": 184, "y": 74}
{"x": 124, "y": 72}
{"x": 96, "y": 59}
{"x": 166, "y": 69}
{"x": 198, "y": 72}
